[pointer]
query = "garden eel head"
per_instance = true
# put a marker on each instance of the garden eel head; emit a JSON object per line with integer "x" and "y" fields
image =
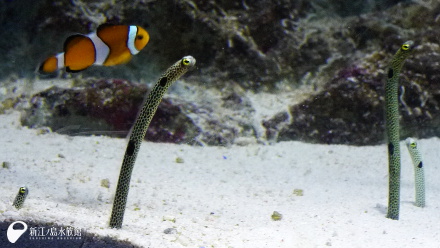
{"x": 23, "y": 191}
{"x": 405, "y": 50}
{"x": 398, "y": 60}
{"x": 407, "y": 45}
{"x": 411, "y": 143}
{"x": 188, "y": 61}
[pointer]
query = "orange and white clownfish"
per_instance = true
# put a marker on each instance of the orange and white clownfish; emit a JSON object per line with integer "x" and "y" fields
{"x": 109, "y": 45}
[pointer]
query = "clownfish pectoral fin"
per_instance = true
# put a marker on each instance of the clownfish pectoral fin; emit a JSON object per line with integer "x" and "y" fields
{"x": 125, "y": 58}
{"x": 79, "y": 53}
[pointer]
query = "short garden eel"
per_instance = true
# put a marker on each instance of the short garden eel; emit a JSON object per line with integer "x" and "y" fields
{"x": 138, "y": 133}
{"x": 21, "y": 196}
{"x": 419, "y": 175}
{"x": 392, "y": 128}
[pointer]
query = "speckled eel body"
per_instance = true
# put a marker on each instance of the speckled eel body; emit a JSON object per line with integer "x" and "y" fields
{"x": 392, "y": 128}
{"x": 21, "y": 196}
{"x": 138, "y": 133}
{"x": 419, "y": 174}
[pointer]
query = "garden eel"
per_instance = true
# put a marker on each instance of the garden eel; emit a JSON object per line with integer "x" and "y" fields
{"x": 138, "y": 133}
{"x": 392, "y": 128}
{"x": 21, "y": 196}
{"x": 419, "y": 175}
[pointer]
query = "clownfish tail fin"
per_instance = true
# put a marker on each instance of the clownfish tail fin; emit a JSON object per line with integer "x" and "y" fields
{"x": 50, "y": 65}
{"x": 40, "y": 69}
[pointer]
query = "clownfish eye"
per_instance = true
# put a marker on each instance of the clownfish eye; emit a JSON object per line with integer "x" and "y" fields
{"x": 186, "y": 61}
{"x": 139, "y": 37}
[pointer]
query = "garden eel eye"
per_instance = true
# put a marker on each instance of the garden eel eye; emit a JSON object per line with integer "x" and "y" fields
{"x": 405, "y": 46}
{"x": 186, "y": 61}
{"x": 22, "y": 190}
{"x": 413, "y": 145}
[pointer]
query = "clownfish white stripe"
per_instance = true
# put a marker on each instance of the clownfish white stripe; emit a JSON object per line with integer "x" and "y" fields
{"x": 60, "y": 60}
{"x": 132, "y": 32}
{"x": 109, "y": 45}
{"x": 101, "y": 49}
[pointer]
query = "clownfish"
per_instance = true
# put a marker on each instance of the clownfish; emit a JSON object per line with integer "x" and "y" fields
{"x": 109, "y": 45}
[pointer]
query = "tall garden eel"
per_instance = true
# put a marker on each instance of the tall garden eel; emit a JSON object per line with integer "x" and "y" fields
{"x": 21, "y": 196}
{"x": 138, "y": 133}
{"x": 392, "y": 128}
{"x": 419, "y": 175}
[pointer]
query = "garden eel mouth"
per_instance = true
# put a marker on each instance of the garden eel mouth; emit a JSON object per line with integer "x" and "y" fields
{"x": 138, "y": 132}
{"x": 21, "y": 196}
{"x": 392, "y": 127}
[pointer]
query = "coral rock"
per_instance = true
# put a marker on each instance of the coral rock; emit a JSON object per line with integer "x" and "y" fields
{"x": 106, "y": 107}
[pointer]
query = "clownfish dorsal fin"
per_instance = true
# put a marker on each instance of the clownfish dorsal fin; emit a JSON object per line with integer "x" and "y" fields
{"x": 72, "y": 40}
{"x": 104, "y": 26}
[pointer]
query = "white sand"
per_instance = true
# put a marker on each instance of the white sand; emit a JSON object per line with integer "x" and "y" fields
{"x": 220, "y": 197}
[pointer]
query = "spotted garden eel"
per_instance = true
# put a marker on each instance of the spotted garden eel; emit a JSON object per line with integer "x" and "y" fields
{"x": 392, "y": 128}
{"x": 419, "y": 175}
{"x": 21, "y": 196}
{"x": 138, "y": 133}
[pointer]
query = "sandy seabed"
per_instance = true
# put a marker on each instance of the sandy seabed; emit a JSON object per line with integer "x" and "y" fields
{"x": 328, "y": 195}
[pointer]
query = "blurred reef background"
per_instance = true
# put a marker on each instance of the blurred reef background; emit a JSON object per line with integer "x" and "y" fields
{"x": 268, "y": 71}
